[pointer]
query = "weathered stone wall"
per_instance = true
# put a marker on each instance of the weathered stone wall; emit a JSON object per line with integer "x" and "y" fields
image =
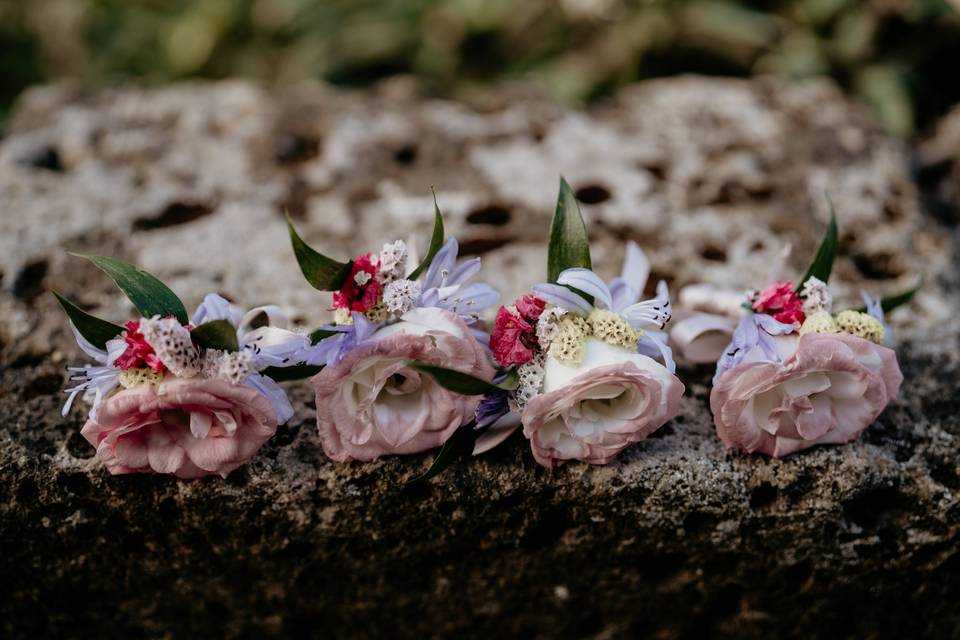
{"x": 678, "y": 537}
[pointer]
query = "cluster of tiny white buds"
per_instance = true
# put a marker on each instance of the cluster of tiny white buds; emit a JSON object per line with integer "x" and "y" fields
{"x": 172, "y": 343}
{"x": 393, "y": 261}
{"x": 362, "y": 278}
{"x": 401, "y": 296}
{"x": 816, "y": 296}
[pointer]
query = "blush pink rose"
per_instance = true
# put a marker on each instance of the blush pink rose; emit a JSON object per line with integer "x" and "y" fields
{"x": 186, "y": 427}
{"x": 828, "y": 389}
{"x": 594, "y": 411}
{"x": 372, "y": 403}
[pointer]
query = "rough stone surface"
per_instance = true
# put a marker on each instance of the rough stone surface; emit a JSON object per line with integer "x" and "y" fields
{"x": 676, "y": 538}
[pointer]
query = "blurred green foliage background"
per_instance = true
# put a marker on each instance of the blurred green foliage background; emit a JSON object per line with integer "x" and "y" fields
{"x": 901, "y": 56}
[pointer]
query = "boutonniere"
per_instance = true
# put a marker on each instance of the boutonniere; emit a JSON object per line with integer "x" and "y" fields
{"x": 799, "y": 372}
{"x": 393, "y": 314}
{"x": 584, "y": 366}
{"x": 175, "y": 394}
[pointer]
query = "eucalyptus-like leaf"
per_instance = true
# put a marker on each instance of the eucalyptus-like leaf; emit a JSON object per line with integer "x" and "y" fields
{"x": 323, "y": 273}
{"x": 464, "y": 383}
{"x": 96, "y": 331}
{"x": 296, "y": 372}
{"x": 569, "y": 245}
{"x": 436, "y": 241}
{"x": 216, "y": 334}
{"x": 458, "y": 445}
{"x": 150, "y": 296}
{"x": 822, "y": 263}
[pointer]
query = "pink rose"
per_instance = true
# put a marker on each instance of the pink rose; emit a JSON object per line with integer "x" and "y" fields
{"x": 187, "y": 427}
{"x": 592, "y": 412}
{"x": 827, "y": 390}
{"x": 372, "y": 403}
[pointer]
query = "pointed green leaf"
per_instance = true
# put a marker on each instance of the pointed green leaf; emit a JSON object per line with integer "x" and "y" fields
{"x": 296, "y": 372}
{"x": 150, "y": 296}
{"x": 216, "y": 334}
{"x": 436, "y": 241}
{"x": 890, "y": 303}
{"x": 96, "y": 331}
{"x": 458, "y": 445}
{"x": 569, "y": 246}
{"x": 321, "y": 334}
{"x": 464, "y": 383}
{"x": 822, "y": 263}
{"x": 321, "y": 272}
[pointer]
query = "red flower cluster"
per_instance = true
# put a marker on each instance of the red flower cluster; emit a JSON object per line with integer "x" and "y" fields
{"x": 356, "y": 296}
{"x": 138, "y": 353}
{"x": 782, "y": 302}
{"x": 514, "y": 337}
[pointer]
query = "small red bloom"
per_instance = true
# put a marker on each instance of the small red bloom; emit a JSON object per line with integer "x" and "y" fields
{"x": 530, "y": 307}
{"x": 780, "y": 301}
{"x": 361, "y": 291}
{"x": 138, "y": 353}
{"x": 514, "y": 337}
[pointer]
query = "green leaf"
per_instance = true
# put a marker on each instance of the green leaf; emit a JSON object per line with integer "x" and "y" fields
{"x": 458, "y": 445}
{"x": 216, "y": 334}
{"x": 150, "y": 296}
{"x": 822, "y": 263}
{"x": 890, "y": 303}
{"x": 296, "y": 372}
{"x": 321, "y": 334}
{"x": 464, "y": 383}
{"x": 321, "y": 272}
{"x": 569, "y": 246}
{"x": 96, "y": 331}
{"x": 436, "y": 241}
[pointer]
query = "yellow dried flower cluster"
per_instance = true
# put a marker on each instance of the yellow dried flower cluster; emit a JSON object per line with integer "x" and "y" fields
{"x": 861, "y": 325}
{"x": 567, "y": 343}
{"x": 342, "y": 317}
{"x": 613, "y": 328}
{"x": 819, "y": 322}
{"x": 130, "y": 378}
{"x": 377, "y": 313}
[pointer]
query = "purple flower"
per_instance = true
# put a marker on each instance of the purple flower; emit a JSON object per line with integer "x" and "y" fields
{"x": 755, "y": 331}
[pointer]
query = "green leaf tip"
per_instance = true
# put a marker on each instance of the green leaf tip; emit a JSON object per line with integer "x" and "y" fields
{"x": 458, "y": 445}
{"x": 216, "y": 334}
{"x": 321, "y": 272}
{"x": 147, "y": 294}
{"x": 569, "y": 246}
{"x": 822, "y": 263}
{"x": 436, "y": 240}
{"x": 460, "y": 382}
{"x": 96, "y": 331}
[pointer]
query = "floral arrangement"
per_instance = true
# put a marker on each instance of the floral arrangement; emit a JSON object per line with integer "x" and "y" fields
{"x": 576, "y": 357}
{"x": 168, "y": 394}
{"x": 798, "y": 373}
{"x": 581, "y": 365}
{"x": 391, "y": 316}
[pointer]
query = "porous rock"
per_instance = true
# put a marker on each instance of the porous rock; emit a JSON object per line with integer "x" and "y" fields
{"x": 677, "y": 537}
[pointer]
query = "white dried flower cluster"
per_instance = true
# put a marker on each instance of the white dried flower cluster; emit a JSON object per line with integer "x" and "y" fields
{"x": 531, "y": 382}
{"x": 567, "y": 345}
{"x": 172, "y": 344}
{"x": 816, "y": 296}
{"x": 230, "y": 366}
{"x": 342, "y": 316}
{"x": 401, "y": 295}
{"x": 393, "y": 261}
{"x": 135, "y": 377}
{"x": 613, "y": 329}
{"x": 547, "y": 325}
